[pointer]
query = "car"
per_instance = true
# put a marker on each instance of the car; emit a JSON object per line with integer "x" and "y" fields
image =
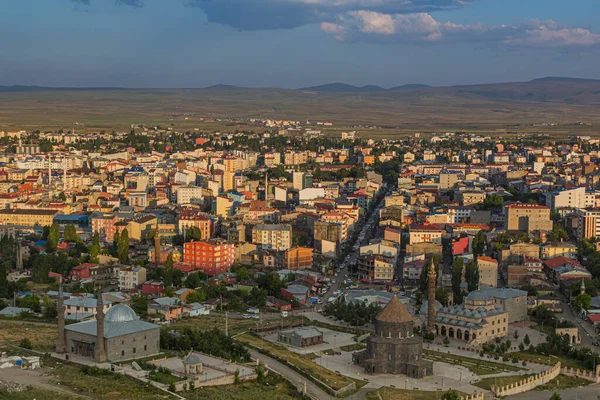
{"x": 255, "y": 316}
{"x": 595, "y": 343}
{"x": 246, "y": 316}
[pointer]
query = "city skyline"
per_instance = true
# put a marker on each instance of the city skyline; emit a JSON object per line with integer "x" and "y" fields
{"x": 294, "y": 43}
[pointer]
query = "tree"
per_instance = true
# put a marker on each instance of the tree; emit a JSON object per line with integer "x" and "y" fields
{"x": 442, "y": 295}
{"x": 49, "y": 307}
{"x": 555, "y": 396}
{"x": 472, "y": 275}
{"x": 450, "y": 395}
{"x": 53, "y": 237}
{"x": 236, "y": 379}
{"x": 70, "y": 234}
{"x": 123, "y": 247}
{"x": 558, "y": 233}
{"x": 478, "y": 244}
{"x": 168, "y": 271}
{"x": 457, "y": 273}
{"x": 494, "y": 200}
{"x": 139, "y": 304}
{"x": 25, "y": 343}
{"x": 4, "y": 286}
{"x": 62, "y": 196}
{"x": 30, "y": 301}
{"x": 197, "y": 296}
{"x": 526, "y": 340}
{"x": 193, "y": 233}
{"x": 195, "y": 280}
{"x": 583, "y": 301}
{"x": 241, "y": 274}
{"x": 115, "y": 246}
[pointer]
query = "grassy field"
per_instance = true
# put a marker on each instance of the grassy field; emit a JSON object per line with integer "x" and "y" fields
{"x": 386, "y": 393}
{"x": 558, "y": 383}
{"x": 275, "y": 388}
{"x": 101, "y": 386}
{"x": 235, "y": 326}
{"x": 43, "y": 338}
{"x": 565, "y": 361}
{"x": 38, "y": 394}
{"x": 475, "y": 365}
{"x": 389, "y": 114}
{"x": 332, "y": 379}
{"x": 353, "y": 347}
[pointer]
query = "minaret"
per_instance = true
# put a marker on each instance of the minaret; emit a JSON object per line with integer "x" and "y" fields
{"x": 582, "y": 287}
{"x": 100, "y": 351}
{"x": 157, "y": 245}
{"x": 49, "y": 170}
{"x": 431, "y": 297}
{"x": 65, "y": 174}
{"x": 61, "y": 345}
{"x": 19, "y": 256}
{"x": 267, "y": 188}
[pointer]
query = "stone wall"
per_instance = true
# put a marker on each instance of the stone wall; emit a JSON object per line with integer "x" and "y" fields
{"x": 582, "y": 373}
{"x": 476, "y": 396}
{"x": 528, "y": 383}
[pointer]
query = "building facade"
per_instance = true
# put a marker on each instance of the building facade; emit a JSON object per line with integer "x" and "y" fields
{"x": 212, "y": 256}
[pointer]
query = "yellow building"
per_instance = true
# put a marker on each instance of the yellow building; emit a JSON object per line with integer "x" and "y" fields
{"x": 27, "y": 217}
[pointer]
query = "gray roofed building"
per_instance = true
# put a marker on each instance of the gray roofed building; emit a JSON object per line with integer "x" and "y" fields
{"x": 301, "y": 337}
{"x": 13, "y": 311}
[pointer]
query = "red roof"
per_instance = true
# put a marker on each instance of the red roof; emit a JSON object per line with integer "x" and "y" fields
{"x": 525, "y": 205}
{"x": 488, "y": 259}
{"x": 594, "y": 317}
{"x": 559, "y": 261}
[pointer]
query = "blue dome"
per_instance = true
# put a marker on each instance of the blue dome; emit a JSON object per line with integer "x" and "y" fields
{"x": 120, "y": 313}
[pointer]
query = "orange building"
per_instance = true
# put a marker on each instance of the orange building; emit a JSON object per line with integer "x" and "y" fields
{"x": 298, "y": 258}
{"x": 212, "y": 256}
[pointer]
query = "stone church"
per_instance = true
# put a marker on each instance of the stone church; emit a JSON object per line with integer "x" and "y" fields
{"x": 394, "y": 349}
{"x": 117, "y": 336}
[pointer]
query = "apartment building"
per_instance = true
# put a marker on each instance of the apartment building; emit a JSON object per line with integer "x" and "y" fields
{"x": 375, "y": 268}
{"x": 588, "y": 223}
{"x": 27, "y": 217}
{"x": 106, "y": 226}
{"x": 488, "y": 271}
{"x": 425, "y": 234}
{"x": 131, "y": 277}
{"x": 205, "y": 224}
{"x": 527, "y": 217}
{"x": 298, "y": 258}
{"x": 212, "y": 256}
{"x": 272, "y": 236}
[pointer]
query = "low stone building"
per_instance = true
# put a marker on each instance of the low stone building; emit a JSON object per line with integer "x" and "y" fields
{"x": 301, "y": 337}
{"x": 394, "y": 349}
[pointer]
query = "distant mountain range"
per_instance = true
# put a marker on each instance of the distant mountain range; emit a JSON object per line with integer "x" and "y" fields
{"x": 575, "y": 91}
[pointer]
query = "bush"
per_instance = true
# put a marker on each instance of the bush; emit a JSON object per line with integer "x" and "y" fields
{"x": 26, "y": 344}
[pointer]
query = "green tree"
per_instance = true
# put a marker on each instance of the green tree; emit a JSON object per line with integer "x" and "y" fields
{"x": 62, "y": 196}
{"x": 195, "y": 280}
{"x": 70, "y": 234}
{"x": 494, "y": 200}
{"x": 139, "y": 304}
{"x": 558, "y": 233}
{"x": 25, "y": 343}
{"x": 193, "y": 233}
{"x": 442, "y": 295}
{"x": 450, "y": 395}
{"x": 457, "y": 273}
{"x": 168, "y": 271}
{"x": 123, "y": 247}
{"x": 198, "y": 296}
{"x": 526, "y": 340}
{"x": 4, "y": 286}
{"x": 115, "y": 246}
{"x": 30, "y": 301}
{"x": 583, "y": 301}
{"x": 478, "y": 244}
{"x": 472, "y": 275}
{"x": 49, "y": 307}
{"x": 53, "y": 237}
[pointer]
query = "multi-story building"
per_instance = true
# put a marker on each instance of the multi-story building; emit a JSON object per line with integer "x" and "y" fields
{"x": 27, "y": 217}
{"x": 298, "y": 258}
{"x": 131, "y": 277}
{"x": 588, "y": 223}
{"x": 212, "y": 256}
{"x": 488, "y": 271}
{"x": 425, "y": 233}
{"x": 190, "y": 194}
{"x": 205, "y": 224}
{"x": 527, "y": 217}
{"x": 375, "y": 268}
{"x": 572, "y": 198}
{"x": 272, "y": 236}
{"x": 106, "y": 227}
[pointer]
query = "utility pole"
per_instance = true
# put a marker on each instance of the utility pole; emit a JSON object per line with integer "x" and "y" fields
{"x": 226, "y": 327}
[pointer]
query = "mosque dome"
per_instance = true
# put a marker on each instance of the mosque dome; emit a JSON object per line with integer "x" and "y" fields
{"x": 120, "y": 313}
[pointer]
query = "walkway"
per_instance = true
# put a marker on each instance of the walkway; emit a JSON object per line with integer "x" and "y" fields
{"x": 294, "y": 377}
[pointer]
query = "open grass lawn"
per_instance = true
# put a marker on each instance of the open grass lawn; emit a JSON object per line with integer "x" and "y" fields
{"x": 234, "y": 326}
{"x": 558, "y": 383}
{"x": 402, "y": 394}
{"x": 332, "y": 379}
{"x": 487, "y": 383}
{"x": 353, "y": 347}
{"x": 43, "y": 338}
{"x": 164, "y": 377}
{"x": 565, "y": 361}
{"x": 103, "y": 385}
{"x": 36, "y": 393}
{"x": 275, "y": 388}
{"x": 477, "y": 365}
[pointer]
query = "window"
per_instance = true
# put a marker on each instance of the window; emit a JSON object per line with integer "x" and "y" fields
{"x": 134, "y": 350}
{"x": 122, "y": 353}
{"x": 145, "y": 347}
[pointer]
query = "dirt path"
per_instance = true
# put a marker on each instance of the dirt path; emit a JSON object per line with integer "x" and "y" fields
{"x": 36, "y": 379}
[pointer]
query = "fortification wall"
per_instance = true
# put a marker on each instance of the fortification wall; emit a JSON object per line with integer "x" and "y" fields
{"x": 528, "y": 383}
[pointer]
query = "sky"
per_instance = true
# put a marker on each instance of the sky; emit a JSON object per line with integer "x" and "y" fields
{"x": 294, "y": 43}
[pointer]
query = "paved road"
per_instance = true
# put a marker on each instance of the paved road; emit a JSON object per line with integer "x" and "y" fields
{"x": 585, "y": 329}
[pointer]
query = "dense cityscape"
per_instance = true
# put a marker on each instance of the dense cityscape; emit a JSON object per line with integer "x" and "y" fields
{"x": 298, "y": 264}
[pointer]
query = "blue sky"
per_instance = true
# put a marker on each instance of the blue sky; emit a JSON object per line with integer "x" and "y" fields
{"x": 294, "y": 43}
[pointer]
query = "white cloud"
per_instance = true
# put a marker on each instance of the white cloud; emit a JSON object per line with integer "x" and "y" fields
{"x": 422, "y": 28}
